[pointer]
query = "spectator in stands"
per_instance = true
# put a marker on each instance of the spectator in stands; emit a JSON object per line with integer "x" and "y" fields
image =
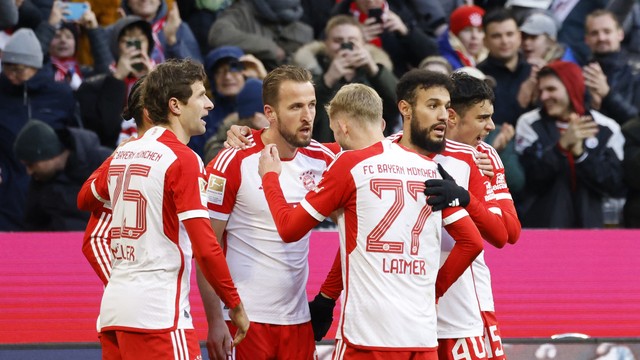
{"x": 173, "y": 38}
{"x": 631, "y": 166}
{"x": 268, "y": 29}
{"x": 59, "y": 162}
{"x": 63, "y": 47}
{"x": 8, "y": 14}
{"x": 612, "y": 82}
{"x": 406, "y": 30}
{"x": 521, "y": 9}
{"x": 200, "y": 15}
{"x": 628, "y": 15}
{"x": 463, "y": 44}
{"x": 436, "y": 63}
{"x": 539, "y": 47}
{"x": 102, "y": 97}
{"x": 227, "y": 67}
{"x": 250, "y": 113}
{"x": 27, "y": 90}
{"x": 345, "y": 58}
{"x": 572, "y": 15}
{"x": 572, "y": 156}
{"x": 504, "y": 64}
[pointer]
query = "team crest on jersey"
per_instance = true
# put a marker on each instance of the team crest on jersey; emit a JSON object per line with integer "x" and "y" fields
{"x": 308, "y": 180}
{"x": 215, "y": 189}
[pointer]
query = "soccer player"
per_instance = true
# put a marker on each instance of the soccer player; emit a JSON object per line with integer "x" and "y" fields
{"x": 271, "y": 275}
{"x": 96, "y": 243}
{"x": 467, "y": 311}
{"x": 157, "y": 189}
{"x": 390, "y": 237}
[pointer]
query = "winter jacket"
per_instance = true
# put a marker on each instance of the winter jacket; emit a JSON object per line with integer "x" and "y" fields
{"x": 623, "y": 99}
{"x": 39, "y": 98}
{"x": 562, "y": 191}
{"x": 631, "y": 165}
{"x": 52, "y": 205}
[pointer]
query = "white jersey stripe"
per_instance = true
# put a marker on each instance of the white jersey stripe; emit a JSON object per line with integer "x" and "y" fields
{"x": 99, "y": 244}
{"x": 95, "y": 193}
{"x": 183, "y": 341}
{"x": 218, "y": 215}
{"x": 497, "y": 161}
{"x": 193, "y": 214}
{"x": 222, "y": 161}
{"x": 316, "y": 146}
{"x": 454, "y": 217}
{"x": 503, "y": 196}
{"x": 174, "y": 345}
{"x": 313, "y": 212}
{"x": 496, "y": 210}
{"x": 340, "y": 349}
{"x": 181, "y": 354}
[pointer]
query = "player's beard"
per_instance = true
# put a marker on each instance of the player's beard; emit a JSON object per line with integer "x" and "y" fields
{"x": 291, "y": 137}
{"x": 420, "y": 137}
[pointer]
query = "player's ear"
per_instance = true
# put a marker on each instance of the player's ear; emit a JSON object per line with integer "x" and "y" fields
{"x": 405, "y": 108}
{"x": 270, "y": 113}
{"x": 453, "y": 117}
{"x": 175, "y": 106}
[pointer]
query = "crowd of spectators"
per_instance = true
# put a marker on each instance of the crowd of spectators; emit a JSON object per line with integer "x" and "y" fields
{"x": 566, "y": 77}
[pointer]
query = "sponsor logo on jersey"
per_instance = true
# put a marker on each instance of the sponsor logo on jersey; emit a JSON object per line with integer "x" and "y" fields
{"x": 215, "y": 189}
{"x": 202, "y": 185}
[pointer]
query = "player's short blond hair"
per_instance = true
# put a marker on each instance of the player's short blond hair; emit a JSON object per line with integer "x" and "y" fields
{"x": 358, "y": 102}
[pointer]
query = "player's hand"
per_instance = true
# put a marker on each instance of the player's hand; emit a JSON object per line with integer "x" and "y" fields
{"x": 321, "y": 309}
{"x": 445, "y": 193}
{"x": 484, "y": 164}
{"x": 219, "y": 341}
{"x": 240, "y": 320}
{"x": 237, "y": 137}
{"x": 269, "y": 160}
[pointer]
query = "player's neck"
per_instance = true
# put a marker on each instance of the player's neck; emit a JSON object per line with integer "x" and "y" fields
{"x": 366, "y": 139}
{"x": 177, "y": 130}
{"x": 272, "y": 136}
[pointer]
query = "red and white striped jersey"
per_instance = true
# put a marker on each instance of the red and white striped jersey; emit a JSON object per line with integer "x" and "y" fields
{"x": 389, "y": 245}
{"x": 458, "y": 310}
{"x": 270, "y": 275}
{"x": 154, "y": 184}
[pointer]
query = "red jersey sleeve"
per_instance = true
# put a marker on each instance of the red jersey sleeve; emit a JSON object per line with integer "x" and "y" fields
{"x": 211, "y": 260}
{"x": 468, "y": 245}
{"x": 484, "y": 209}
{"x": 224, "y": 178}
{"x": 292, "y": 222}
{"x": 332, "y": 285}
{"x": 96, "y": 243}
{"x": 88, "y": 197}
{"x": 503, "y": 195}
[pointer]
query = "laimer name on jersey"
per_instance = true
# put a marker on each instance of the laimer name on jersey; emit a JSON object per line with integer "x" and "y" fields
{"x": 402, "y": 266}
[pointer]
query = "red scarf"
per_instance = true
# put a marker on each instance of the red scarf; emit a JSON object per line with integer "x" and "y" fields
{"x": 65, "y": 68}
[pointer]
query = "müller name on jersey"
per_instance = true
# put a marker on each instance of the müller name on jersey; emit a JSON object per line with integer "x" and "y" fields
{"x": 397, "y": 169}
{"x": 142, "y": 154}
{"x": 403, "y": 266}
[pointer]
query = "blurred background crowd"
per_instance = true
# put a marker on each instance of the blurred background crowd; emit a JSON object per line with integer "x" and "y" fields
{"x": 566, "y": 74}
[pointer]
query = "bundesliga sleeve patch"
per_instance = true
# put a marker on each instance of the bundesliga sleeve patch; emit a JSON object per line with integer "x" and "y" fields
{"x": 202, "y": 185}
{"x": 215, "y": 189}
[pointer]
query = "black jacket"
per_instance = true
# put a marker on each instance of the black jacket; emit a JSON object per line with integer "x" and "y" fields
{"x": 562, "y": 191}
{"x": 52, "y": 205}
{"x": 623, "y": 99}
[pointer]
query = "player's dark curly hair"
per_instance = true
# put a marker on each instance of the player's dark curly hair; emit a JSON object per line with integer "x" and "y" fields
{"x": 134, "y": 108}
{"x": 171, "y": 79}
{"x": 468, "y": 91}
{"x": 415, "y": 79}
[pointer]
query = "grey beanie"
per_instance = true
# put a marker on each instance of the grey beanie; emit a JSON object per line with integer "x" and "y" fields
{"x": 37, "y": 141}
{"x": 23, "y": 48}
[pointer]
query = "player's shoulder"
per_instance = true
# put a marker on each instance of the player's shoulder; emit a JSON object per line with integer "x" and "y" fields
{"x": 458, "y": 149}
{"x": 318, "y": 150}
{"x": 492, "y": 153}
{"x": 233, "y": 157}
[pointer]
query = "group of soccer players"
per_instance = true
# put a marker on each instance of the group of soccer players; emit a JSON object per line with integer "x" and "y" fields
{"x": 411, "y": 211}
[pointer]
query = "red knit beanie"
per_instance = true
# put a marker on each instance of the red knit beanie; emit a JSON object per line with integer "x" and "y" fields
{"x": 571, "y": 76}
{"x": 465, "y": 15}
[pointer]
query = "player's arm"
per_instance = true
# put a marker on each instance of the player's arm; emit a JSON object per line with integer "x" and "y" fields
{"x": 94, "y": 192}
{"x": 292, "y": 223}
{"x": 96, "y": 243}
{"x": 467, "y": 246}
{"x": 486, "y": 214}
{"x": 215, "y": 284}
{"x": 510, "y": 220}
